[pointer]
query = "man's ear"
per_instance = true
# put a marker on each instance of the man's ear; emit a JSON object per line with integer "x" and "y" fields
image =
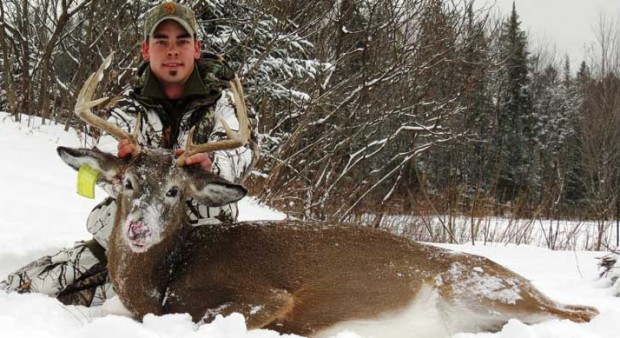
{"x": 197, "y": 48}
{"x": 145, "y": 51}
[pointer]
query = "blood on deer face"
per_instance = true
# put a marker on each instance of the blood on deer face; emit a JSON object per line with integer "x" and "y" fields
{"x": 152, "y": 198}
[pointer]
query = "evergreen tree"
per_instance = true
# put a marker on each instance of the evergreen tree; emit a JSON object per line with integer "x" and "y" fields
{"x": 514, "y": 136}
{"x": 473, "y": 150}
{"x": 574, "y": 187}
{"x": 556, "y": 106}
{"x": 583, "y": 74}
{"x": 270, "y": 55}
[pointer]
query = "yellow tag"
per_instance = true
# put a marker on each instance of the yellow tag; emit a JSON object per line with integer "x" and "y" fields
{"x": 87, "y": 177}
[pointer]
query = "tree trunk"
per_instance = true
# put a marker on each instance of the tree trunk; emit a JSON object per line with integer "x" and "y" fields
{"x": 7, "y": 67}
{"x": 25, "y": 82}
{"x": 46, "y": 64}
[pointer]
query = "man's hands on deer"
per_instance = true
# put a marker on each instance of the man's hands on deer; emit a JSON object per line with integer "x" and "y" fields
{"x": 126, "y": 148}
{"x": 201, "y": 158}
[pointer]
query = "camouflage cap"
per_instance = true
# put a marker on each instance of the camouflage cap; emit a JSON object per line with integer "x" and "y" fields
{"x": 170, "y": 11}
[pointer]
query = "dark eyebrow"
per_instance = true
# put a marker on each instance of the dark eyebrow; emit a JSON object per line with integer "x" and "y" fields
{"x": 164, "y": 36}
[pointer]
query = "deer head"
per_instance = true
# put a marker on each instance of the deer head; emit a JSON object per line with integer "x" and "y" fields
{"x": 152, "y": 186}
{"x": 151, "y": 191}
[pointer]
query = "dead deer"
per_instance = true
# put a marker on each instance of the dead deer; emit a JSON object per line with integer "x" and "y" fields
{"x": 307, "y": 278}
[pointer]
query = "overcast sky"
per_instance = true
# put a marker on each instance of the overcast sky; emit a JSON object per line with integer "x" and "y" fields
{"x": 569, "y": 24}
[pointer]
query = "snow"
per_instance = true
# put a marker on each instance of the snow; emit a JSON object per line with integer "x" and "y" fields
{"x": 486, "y": 285}
{"x": 40, "y": 212}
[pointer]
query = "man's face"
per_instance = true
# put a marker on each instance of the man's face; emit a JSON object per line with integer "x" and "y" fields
{"x": 171, "y": 52}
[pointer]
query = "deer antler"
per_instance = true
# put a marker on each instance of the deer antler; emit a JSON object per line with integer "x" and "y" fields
{"x": 236, "y": 139}
{"x": 85, "y": 102}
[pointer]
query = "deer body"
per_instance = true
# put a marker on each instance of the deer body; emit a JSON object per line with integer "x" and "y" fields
{"x": 303, "y": 278}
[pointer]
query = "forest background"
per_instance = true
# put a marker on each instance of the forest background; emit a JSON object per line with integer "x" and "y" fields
{"x": 369, "y": 109}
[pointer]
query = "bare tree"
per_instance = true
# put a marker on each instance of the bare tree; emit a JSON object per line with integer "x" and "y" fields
{"x": 606, "y": 57}
{"x": 384, "y": 101}
{"x": 6, "y": 41}
{"x": 600, "y": 143}
{"x": 57, "y": 13}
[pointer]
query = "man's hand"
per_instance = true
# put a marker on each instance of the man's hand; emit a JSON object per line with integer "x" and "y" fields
{"x": 200, "y": 158}
{"x": 125, "y": 148}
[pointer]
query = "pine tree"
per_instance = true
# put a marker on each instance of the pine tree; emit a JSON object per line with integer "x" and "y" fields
{"x": 556, "y": 106}
{"x": 515, "y": 133}
{"x": 272, "y": 57}
{"x": 474, "y": 77}
{"x": 575, "y": 189}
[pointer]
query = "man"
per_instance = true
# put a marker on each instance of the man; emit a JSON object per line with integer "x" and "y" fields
{"x": 178, "y": 90}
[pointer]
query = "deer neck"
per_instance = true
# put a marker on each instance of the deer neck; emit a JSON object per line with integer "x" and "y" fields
{"x": 142, "y": 279}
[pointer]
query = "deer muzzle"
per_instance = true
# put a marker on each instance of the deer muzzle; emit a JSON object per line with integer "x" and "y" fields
{"x": 139, "y": 235}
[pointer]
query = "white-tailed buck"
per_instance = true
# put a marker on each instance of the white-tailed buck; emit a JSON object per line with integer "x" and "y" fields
{"x": 308, "y": 278}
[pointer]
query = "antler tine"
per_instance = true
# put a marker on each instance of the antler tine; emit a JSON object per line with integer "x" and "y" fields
{"x": 236, "y": 139}
{"x": 84, "y": 103}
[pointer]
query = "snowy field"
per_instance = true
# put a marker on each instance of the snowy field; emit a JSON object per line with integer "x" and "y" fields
{"x": 40, "y": 213}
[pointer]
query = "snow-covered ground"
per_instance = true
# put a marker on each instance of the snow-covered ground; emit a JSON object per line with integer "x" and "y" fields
{"x": 40, "y": 212}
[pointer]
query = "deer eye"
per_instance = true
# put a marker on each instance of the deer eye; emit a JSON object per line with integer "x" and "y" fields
{"x": 173, "y": 192}
{"x": 128, "y": 185}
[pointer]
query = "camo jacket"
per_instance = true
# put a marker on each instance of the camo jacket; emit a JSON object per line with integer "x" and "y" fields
{"x": 166, "y": 124}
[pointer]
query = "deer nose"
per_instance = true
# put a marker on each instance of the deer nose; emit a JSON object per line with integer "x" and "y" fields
{"x": 137, "y": 230}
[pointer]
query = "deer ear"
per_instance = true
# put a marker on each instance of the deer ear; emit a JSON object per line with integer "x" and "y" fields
{"x": 108, "y": 165}
{"x": 215, "y": 191}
